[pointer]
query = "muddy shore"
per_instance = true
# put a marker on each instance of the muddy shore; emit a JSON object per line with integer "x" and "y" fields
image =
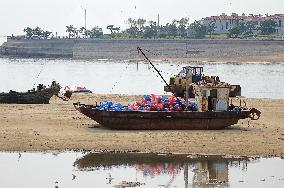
{"x": 58, "y": 126}
{"x": 239, "y": 59}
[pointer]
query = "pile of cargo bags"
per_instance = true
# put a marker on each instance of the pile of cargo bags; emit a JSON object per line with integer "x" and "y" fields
{"x": 151, "y": 103}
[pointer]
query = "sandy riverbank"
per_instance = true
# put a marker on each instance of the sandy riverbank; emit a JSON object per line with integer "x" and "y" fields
{"x": 58, "y": 126}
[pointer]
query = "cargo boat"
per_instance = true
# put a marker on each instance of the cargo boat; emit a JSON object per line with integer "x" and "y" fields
{"x": 160, "y": 120}
{"x": 41, "y": 95}
{"x": 214, "y": 110}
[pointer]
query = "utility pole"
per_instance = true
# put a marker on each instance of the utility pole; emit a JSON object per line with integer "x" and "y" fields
{"x": 85, "y": 19}
{"x": 85, "y": 16}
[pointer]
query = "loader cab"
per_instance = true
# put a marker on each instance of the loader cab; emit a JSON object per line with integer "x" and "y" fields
{"x": 186, "y": 76}
{"x": 195, "y": 73}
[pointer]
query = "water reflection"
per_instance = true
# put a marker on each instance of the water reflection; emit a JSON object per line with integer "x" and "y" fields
{"x": 76, "y": 169}
{"x": 205, "y": 171}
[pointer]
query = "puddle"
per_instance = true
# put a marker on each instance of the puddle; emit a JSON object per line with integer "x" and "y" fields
{"x": 75, "y": 169}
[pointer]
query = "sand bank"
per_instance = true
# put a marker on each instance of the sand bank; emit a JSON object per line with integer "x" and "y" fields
{"x": 58, "y": 126}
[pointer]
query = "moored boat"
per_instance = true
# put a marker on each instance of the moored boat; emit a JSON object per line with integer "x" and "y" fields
{"x": 41, "y": 95}
{"x": 158, "y": 120}
{"x": 77, "y": 89}
{"x": 206, "y": 106}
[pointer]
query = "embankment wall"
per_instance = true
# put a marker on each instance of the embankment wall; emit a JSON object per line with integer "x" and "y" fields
{"x": 56, "y": 48}
{"x": 126, "y": 49}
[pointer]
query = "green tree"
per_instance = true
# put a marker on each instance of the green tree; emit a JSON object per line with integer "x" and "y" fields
{"x": 116, "y": 29}
{"x": 38, "y": 32}
{"x": 199, "y": 30}
{"x": 150, "y": 31}
{"x": 250, "y": 27}
{"x": 172, "y": 29}
{"x": 234, "y": 32}
{"x": 113, "y": 31}
{"x": 242, "y": 26}
{"x": 96, "y": 32}
{"x": 237, "y": 30}
{"x": 110, "y": 27}
{"x": 46, "y": 34}
{"x": 72, "y": 31}
{"x": 163, "y": 32}
{"x": 140, "y": 23}
{"x": 182, "y": 25}
{"x": 268, "y": 27}
{"x": 211, "y": 28}
{"x": 133, "y": 30}
{"x": 29, "y": 32}
{"x": 84, "y": 32}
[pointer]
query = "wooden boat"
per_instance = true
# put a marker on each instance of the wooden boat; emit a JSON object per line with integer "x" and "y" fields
{"x": 41, "y": 95}
{"x": 157, "y": 120}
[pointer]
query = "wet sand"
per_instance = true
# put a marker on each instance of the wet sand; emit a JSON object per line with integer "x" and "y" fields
{"x": 58, "y": 126}
{"x": 278, "y": 58}
{"x": 240, "y": 59}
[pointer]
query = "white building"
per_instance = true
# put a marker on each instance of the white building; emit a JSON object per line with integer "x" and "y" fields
{"x": 279, "y": 19}
{"x": 224, "y": 22}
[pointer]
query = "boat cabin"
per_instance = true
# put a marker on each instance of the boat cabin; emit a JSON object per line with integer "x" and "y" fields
{"x": 212, "y": 97}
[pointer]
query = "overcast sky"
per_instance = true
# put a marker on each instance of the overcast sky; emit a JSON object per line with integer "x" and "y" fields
{"x": 54, "y": 15}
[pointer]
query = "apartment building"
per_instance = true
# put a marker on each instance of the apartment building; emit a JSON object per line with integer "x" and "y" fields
{"x": 224, "y": 22}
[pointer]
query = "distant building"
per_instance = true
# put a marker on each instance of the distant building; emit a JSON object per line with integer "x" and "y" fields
{"x": 223, "y": 23}
{"x": 279, "y": 19}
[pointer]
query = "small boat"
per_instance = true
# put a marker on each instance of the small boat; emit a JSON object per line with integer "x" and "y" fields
{"x": 161, "y": 120}
{"x": 77, "y": 89}
{"x": 41, "y": 95}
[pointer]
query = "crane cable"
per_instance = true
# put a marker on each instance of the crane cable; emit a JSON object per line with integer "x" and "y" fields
{"x": 43, "y": 66}
{"x": 141, "y": 51}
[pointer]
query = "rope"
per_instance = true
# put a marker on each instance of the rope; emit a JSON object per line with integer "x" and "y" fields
{"x": 141, "y": 51}
{"x": 43, "y": 66}
{"x": 120, "y": 76}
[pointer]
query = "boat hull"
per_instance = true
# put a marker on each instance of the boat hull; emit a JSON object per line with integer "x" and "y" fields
{"x": 31, "y": 97}
{"x": 158, "y": 120}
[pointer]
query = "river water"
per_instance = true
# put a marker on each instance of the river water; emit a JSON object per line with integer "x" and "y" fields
{"x": 76, "y": 169}
{"x": 258, "y": 80}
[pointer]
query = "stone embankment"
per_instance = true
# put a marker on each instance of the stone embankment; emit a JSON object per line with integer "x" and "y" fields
{"x": 57, "y": 48}
{"x": 215, "y": 50}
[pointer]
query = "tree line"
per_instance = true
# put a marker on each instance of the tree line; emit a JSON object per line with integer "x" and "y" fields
{"x": 176, "y": 29}
{"x": 37, "y": 33}
{"x": 142, "y": 29}
{"x": 248, "y": 28}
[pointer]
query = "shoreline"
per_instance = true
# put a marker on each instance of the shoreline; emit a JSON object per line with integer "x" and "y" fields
{"x": 189, "y": 155}
{"x": 278, "y": 59}
{"x": 233, "y": 60}
{"x": 59, "y": 127}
